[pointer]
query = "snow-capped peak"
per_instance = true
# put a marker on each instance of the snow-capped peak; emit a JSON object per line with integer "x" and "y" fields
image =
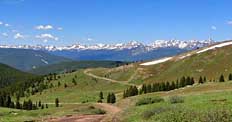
{"x": 190, "y": 44}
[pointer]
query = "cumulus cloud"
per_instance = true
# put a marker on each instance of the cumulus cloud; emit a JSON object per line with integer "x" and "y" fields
{"x": 213, "y": 27}
{"x": 7, "y": 25}
{"x": 89, "y": 39}
{"x": 44, "y": 27}
{"x": 19, "y": 36}
{"x": 4, "y": 24}
{"x": 5, "y": 34}
{"x": 229, "y": 22}
{"x": 59, "y": 28}
{"x": 45, "y": 37}
{"x": 14, "y": 31}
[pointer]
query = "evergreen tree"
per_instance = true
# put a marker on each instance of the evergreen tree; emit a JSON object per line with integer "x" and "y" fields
{"x": 204, "y": 80}
{"x": 221, "y": 79}
{"x": 42, "y": 106}
{"x": 109, "y": 98}
{"x": 39, "y": 104}
{"x": 101, "y": 96}
{"x": 65, "y": 85}
{"x": 230, "y": 77}
{"x": 17, "y": 105}
{"x": 59, "y": 84}
{"x": 113, "y": 98}
{"x": 57, "y": 102}
{"x": 74, "y": 81}
{"x": 148, "y": 88}
{"x": 182, "y": 82}
{"x": 200, "y": 80}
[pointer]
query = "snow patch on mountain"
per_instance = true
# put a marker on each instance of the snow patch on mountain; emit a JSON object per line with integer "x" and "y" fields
{"x": 44, "y": 61}
{"x": 190, "y": 44}
{"x": 215, "y": 46}
{"x": 184, "y": 56}
{"x": 156, "y": 61}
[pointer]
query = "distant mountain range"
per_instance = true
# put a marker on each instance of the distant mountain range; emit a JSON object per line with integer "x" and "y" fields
{"x": 190, "y": 44}
{"x": 26, "y": 57}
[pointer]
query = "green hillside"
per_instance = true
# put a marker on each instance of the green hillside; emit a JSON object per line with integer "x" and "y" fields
{"x": 75, "y": 65}
{"x": 86, "y": 88}
{"x": 25, "y": 59}
{"x": 78, "y": 92}
{"x": 9, "y": 75}
{"x": 210, "y": 64}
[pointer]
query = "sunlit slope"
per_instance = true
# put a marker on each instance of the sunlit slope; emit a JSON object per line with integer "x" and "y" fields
{"x": 209, "y": 62}
{"x": 86, "y": 89}
{"x": 9, "y": 75}
{"x": 75, "y": 65}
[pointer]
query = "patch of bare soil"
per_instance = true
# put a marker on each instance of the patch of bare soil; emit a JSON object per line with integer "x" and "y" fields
{"x": 77, "y": 118}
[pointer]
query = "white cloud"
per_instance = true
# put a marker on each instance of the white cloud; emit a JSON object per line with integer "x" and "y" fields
{"x": 14, "y": 31}
{"x": 1, "y": 22}
{"x": 89, "y": 39}
{"x": 45, "y": 37}
{"x": 59, "y": 28}
{"x": 44, "y": 27}
{"x": 229, "y": 22}
{"x": 7, "y": 25}
{"x": 213, "y": 27}
{"x": 5, "y": 34}
{"x": 19, "y": 36}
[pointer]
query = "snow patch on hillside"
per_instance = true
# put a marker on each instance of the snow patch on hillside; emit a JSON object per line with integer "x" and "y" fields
{"x": 184, "y": 56}
{"x": 46, "y": 62}
{"x": 215, "y": 46}
{"x": 156, "y": 61}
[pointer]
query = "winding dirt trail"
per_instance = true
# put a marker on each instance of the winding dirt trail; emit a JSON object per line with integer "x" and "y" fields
{"x": 110, "y": 109}
{"x": 87, "y": 72}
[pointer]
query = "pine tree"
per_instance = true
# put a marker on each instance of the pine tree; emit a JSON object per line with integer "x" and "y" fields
{"x": 101, "y": 95}
{"x": 39, "y": 104}
{"x": 183, "y": 82}
{"x": 192, "y": 81}
{"x": 113, "y": 98}
{"x": 204, "y": 80}
{"x": 74, "y": 81}
{"x": 173, "y": 85}
{"x": 148, "y": 88}
{"x": 230, "y": 77}
{"x": 57, "y": 102}
{"x": 17, "y": 105}
{"x": 42, "y": 106}
{"x": 59, "y": 84}
{"x": 65, "y": 85}
{"x": 200, "y": 80}
{"x": 109, "y": 98}
{"x": 221, "y": 79}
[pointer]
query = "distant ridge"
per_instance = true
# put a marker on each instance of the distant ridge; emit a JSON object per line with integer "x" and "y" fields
{"x": 189, "y": 44}
{"x": 26, "y": 59}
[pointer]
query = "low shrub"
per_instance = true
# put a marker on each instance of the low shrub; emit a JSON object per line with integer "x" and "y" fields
{"x": 145, "y": 101}
{"x": 176, "y": 99}
{"x": 183, "y": 114}
{"x": 149, "y": 113}
{"x": 218, "y": 115}
{"x": 99, "y": 111}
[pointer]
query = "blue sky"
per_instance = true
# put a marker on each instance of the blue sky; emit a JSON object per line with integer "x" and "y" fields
{"x": 65, "y": 22}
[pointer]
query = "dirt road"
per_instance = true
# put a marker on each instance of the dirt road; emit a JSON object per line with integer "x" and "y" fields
{"x": 110, "y": 109}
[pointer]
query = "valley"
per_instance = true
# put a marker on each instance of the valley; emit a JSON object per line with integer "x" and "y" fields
{"x": 115, "y": 61}
{"x": 84, "y": 94}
